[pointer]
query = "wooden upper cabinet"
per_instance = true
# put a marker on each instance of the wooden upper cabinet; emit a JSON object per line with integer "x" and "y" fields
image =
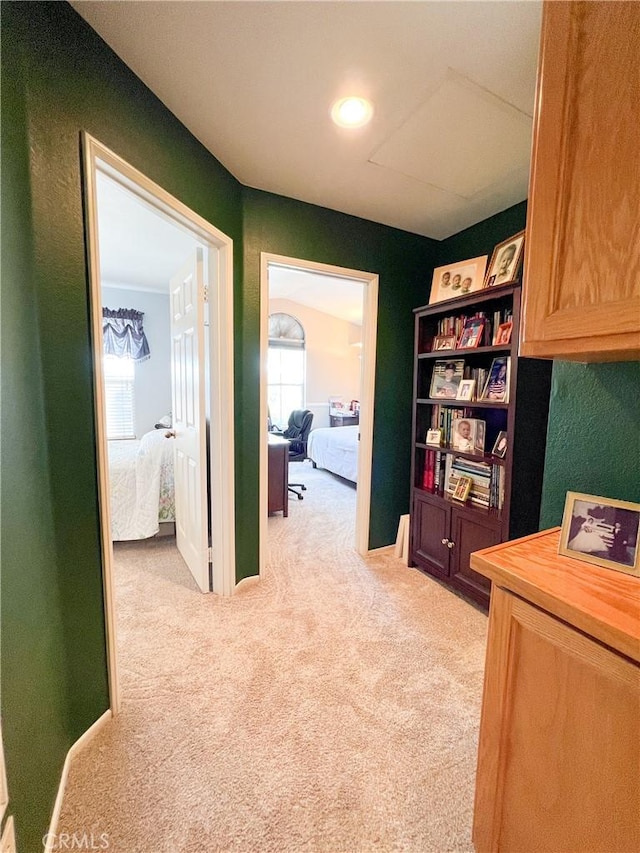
{"x": 582, "y": 256}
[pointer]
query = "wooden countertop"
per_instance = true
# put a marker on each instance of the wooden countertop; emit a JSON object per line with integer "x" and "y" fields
{"x": 601, "y": 602}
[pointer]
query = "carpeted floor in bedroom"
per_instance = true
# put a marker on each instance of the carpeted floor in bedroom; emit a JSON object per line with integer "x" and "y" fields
{"x": 333, "y": 706}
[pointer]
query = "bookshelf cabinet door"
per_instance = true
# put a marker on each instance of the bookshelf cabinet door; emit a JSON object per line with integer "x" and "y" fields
{"x": 469, "y": 534}
{"x": 582, "y": 265}
{"x": 430, "y": 522}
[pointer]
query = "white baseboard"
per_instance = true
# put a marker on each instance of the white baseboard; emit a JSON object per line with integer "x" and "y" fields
{"x": 82, "y": 741}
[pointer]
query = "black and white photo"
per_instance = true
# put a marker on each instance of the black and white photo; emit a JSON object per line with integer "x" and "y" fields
{"x": 603, "y": 531}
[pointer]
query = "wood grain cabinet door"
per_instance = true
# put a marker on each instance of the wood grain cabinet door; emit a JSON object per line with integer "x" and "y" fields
{"x": 582, "y": 255}
{"x": 430, "y": 534}
{"x": 559, "y": 753}
{"x": 470, "y": 533}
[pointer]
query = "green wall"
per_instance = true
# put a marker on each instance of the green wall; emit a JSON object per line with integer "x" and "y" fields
{"x": 480, "y": 239}
{"x": 33, "y": 665}
{"x": 593, "y": 441}
{"x": 404, "y": 263}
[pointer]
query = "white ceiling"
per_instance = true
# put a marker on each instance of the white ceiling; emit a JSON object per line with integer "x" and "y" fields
{"x": 141, "y": 250}
{"x": 453, "y": 85}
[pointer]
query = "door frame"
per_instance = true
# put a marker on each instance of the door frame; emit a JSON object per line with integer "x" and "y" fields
{"x": 98, "y": 158}
{"x": 369, "y": 338}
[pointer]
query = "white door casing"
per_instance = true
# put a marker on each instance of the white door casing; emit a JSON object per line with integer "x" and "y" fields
{"x": 186, "y": 293}
{"x": 98, "y": 158}
{"x": 369, "y": 337}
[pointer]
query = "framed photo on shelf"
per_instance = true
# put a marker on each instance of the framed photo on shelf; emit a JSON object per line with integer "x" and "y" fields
{"x": 602, "y": 531}
{"x": 503, "y": 334}
{"x": 497, "y": 385}
{"x": 472, "y": 333}
{"x": 434, "y": 436}
{"x": 500, "y": 445}
{"x": 505, "y": 261}
{"x": 462, "y": 489}
{"x": 443, "y": 342}
{"x": 467, "y": 434}
{"x": 446, "y": 378}
{"x": 466, "y": 389}
{"x": 458, "y": 279}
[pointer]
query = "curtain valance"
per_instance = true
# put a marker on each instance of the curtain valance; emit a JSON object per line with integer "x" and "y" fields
{"x": 123, "y": 334}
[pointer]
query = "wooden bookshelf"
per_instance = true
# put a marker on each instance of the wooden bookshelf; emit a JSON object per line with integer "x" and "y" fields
{"x": 505, "y": 498}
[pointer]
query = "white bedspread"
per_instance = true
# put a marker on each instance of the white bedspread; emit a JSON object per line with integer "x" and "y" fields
{"x": 336, "y": 449}
{"x": 141, "y": 485}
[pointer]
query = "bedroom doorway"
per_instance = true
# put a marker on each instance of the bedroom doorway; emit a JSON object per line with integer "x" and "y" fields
{"x": 199, "y": 350}
{"x": 366, "y": 285}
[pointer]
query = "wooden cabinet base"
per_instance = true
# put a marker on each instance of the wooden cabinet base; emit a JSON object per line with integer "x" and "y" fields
{"x": 559, "y": 752}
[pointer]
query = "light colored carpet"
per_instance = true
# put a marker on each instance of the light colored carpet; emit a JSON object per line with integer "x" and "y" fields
{"x": 332, "y": 707}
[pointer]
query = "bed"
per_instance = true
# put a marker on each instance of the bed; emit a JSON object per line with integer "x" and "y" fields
{"x": 141, "y": 485}
{"x": 335, "y": 449}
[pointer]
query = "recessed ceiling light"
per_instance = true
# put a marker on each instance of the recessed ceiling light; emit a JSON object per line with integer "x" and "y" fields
{"x": 352, "y": 112}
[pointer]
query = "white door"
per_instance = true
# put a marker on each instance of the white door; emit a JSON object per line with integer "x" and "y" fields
{"x": 189, "y": 417}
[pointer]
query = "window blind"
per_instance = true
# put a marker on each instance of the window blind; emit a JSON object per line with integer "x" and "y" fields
{"x": 119, "y": 385}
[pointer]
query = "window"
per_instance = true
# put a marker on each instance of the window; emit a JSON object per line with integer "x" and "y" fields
{"x": 119, "y": 382}
{"x": 286, "y": 367}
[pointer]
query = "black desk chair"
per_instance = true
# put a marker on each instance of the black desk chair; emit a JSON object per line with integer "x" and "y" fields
{"x": 297, "y": 432}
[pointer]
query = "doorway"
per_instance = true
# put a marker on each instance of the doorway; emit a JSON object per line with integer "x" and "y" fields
{"x": 369, "y": 285}
{"x": 201, "y": 347}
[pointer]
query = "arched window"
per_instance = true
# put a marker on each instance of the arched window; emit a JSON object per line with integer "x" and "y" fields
{"x": 286, "y": 367}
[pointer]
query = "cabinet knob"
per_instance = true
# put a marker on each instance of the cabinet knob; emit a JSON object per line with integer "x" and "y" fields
{"x": 445, "y": 541}
{"x": 450, "y": 544}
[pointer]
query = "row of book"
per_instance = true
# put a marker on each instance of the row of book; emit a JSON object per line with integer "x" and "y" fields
{"x": 487, "y": 481}
{"x": 442, "y": 472}
{"x": 455, "y": 324}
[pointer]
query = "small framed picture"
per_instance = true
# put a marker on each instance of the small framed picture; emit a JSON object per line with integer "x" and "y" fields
{"x": 497, "y": 384}
{"x": 466, "y": 389}
{"x": 472, "y": 333}
{"x": 505, "y": 261}
{"x": 462, "y": 489}
{"x": 602, "y": 531}
{"x": 443, "y": 342}
{"x": 446, "y": 378}
{"x": 500, "y": 446}
{"x": 467, "y": 434}
{"x": 434, "y": 436}
{"x": 458, "y": 279}
{"x": 503, "y": 335}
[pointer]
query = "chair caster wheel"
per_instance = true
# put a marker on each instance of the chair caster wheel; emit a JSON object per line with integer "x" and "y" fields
{"x": 299, "y": 497}
{"x": 304, "y": 488}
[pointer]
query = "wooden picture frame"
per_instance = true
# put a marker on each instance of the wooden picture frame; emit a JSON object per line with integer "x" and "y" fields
{"x": 462, "y": 489}
{"x": 602, "y": 531}
{"x": 497, "y": 385}
{"x": 466, "y": 390}
{"x": 446, "y": 378}
{"x": 443, "y": 342}
{"x": 472, "y": 333}
{"x": 458, "y": 279}
{"x": 503, "y": 334}
{"x": 501, "y": 445}
{"x": 506, "y": 261}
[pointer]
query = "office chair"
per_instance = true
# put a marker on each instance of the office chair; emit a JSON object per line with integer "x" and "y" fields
{"x": 297, "y": 432}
